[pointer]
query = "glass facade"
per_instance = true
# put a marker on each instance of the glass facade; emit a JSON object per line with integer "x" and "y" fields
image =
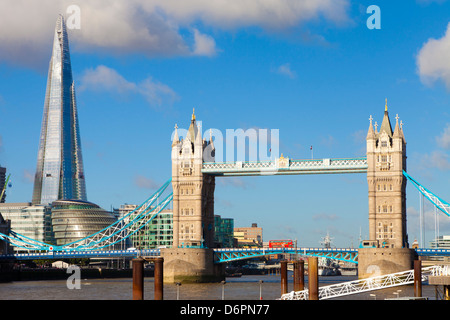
{"x": 73, "y": 220}
{"x": 158, "y": 233}
{"x": 59, "y": 173}
{"x": 224, "y": 232}
{"x": 32, "y": 221}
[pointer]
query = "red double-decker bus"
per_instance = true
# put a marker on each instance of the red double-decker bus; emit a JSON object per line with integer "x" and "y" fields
{"x": 281, "y": 244}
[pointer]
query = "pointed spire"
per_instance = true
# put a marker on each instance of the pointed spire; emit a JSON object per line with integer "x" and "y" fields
{"x": 386, "y": 124}
{"x": 370, "y": 133}
{"x": 176, "y": 139}
{"x": 192, "y": 131}
{"x": 211, "y": 139}
{"x": 397, "y": 128}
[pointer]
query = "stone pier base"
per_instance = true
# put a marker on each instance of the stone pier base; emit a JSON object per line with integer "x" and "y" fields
{"x": 374, "y": 262}
{"x": 190, "y": 265}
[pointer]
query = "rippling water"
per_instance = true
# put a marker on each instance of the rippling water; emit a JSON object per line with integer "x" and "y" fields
{"x": 243, "y": 288}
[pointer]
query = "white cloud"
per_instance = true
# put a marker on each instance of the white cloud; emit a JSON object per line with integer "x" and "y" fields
{"x": 433, "y": 60}
{"x": 285, "y": 69}
{"x": 28, "y": 176}
{"x": 324, "y": 216}
{"x": 145, "y": 183}
{"x": 437, "y": 159}
{"x": 444, "y": 139}
{"x": 268, "y": 14}
{"x": 103, "y": 78}
{"x": 204, "y": 45}
{"x": 149, "y": 27}
{"x": 235, "y": 182}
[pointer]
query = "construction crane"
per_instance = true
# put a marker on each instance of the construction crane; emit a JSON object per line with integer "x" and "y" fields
{"x": 4, "y": 187}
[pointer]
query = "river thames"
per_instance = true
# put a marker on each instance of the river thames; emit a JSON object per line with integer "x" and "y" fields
{"x": 247, "y": 287}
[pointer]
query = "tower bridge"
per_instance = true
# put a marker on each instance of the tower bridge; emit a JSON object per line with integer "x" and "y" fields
{"x": 193, "y": 256}
{"x": 193, "y": 184}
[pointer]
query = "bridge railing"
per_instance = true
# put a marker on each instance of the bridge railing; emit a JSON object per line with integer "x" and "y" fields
{"x": 370, "y": 284}
{"x": 286, "y": 166}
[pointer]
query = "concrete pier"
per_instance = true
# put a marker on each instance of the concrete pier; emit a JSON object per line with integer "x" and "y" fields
{"x": 374, "y": 262}
{"x": 191, "y": 265}
{"x": 443, "y": 281}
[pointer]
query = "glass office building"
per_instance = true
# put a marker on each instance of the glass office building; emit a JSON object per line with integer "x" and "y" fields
{"x": 32, "y": 221}
{"x": 59, "y": 172}
{"x": 224, "y": 232}
{"x": 158, "y": 233}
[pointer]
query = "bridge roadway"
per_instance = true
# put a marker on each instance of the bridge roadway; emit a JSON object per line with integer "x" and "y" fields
{"x": 222, "y": 255}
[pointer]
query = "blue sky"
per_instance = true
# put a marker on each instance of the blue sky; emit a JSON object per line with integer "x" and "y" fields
{"x": 311, "y": 69}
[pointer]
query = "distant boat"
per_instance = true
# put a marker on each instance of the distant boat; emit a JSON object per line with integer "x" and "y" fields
{"x": 330, "y": 268}
{"x": 233, "y": 275}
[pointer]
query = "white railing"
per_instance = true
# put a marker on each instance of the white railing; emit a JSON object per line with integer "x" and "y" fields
{"x": 370, "y": 284}
{"x": 286, "y": 166}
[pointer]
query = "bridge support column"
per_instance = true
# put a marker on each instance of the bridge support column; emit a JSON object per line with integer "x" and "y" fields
{"x": 191, "y": 265}
{"x": 373, "y": 262}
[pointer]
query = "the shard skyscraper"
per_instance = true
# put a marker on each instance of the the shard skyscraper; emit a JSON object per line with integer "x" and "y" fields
{"x": 59, "y": 173}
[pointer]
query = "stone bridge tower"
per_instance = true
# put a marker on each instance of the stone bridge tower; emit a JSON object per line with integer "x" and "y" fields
{"x": 388, "y": 251}
{"x": 193, "y": 191}
{"x": 386, "y": 158}
{"x": 191, "y": 258}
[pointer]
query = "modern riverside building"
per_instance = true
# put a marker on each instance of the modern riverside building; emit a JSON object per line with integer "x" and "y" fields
{"x": 223, "y": 232}
{"x": 157, "y": 233}
{"x": 5, "y": 226}
{"x": 59, "y": 172}
{"x": 441, "y": 242}
{"x": 249, "y": 236}
{"x": 32, "y": 221}
{"x": 74, "y": 220}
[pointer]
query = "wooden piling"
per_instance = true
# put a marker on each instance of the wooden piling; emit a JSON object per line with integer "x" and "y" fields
{"x": 417, "y": 278}
{"x": 313, "y": 278}
{"x": 299, "y": 275}
{"x": 138, "y": 279}
{"x": 159, "y": 278}
{"x": 284, "y": 279}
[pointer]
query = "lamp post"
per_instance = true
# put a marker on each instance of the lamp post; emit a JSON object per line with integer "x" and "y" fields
{"x": 260, "y": 289}
{"x": 223, "y": 289}
{"x": 178, "y": 290}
